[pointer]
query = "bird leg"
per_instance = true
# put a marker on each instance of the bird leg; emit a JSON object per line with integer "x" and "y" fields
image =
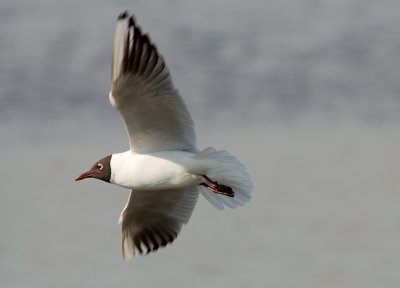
{"x": 213, "y": 186}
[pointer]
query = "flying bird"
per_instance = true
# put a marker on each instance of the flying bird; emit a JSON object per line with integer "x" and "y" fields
{"x": 163, "y": 167}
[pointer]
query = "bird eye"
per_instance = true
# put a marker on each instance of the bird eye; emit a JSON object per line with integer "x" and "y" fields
{"x": 100, "y": 166}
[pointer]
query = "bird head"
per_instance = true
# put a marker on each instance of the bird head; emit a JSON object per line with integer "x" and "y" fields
{"x": 100, "y": 170}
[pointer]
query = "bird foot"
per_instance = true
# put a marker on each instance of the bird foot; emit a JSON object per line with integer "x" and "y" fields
{"x": 213, "y": 186}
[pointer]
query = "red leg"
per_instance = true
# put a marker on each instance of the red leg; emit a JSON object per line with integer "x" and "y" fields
{"x": 217, "y": 188}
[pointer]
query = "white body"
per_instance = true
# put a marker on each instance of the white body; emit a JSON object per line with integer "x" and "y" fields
{"x": 155, "y": 171}
{"x": 169, "y": 170}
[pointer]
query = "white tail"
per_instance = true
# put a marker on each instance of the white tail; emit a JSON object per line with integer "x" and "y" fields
{"x": 227, "y": 170}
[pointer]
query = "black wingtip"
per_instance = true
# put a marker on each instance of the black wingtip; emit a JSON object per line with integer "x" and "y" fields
{"x": 123, "y": 15}
{"x": 131, "y": 21}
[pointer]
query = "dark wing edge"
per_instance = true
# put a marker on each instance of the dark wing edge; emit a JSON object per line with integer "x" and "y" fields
{"x": 153, "y": 219}
{"x": 136, "y": 55}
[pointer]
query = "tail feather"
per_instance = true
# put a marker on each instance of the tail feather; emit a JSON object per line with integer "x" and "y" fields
{"x": 227, "y": 170}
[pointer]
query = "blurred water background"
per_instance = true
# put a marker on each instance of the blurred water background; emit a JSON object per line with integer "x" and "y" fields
{"x": 305, "y": 93}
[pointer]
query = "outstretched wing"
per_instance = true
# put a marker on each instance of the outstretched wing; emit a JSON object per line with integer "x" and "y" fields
{"x": 142, "y": 91}
{"x": 152, "y": 219}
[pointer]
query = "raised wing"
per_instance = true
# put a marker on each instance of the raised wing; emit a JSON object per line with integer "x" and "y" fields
{"x": 142, "y": 91}
{"x": 152, "y": 219}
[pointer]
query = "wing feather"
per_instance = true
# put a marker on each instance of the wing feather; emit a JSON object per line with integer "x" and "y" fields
{"x": 152, "y": 219}
{"x": 154, "y": 113}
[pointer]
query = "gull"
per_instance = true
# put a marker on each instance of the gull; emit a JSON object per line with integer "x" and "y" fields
{"x": 163, "y": 167}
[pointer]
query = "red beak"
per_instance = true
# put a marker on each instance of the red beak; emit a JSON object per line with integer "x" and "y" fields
{"x": 85, "y": 175}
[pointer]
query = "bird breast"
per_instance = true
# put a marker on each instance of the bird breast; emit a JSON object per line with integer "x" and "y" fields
{"x": 155, "y": 171}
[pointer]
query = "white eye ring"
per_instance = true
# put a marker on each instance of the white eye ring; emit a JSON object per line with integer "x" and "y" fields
{"x": 100, "y": 166}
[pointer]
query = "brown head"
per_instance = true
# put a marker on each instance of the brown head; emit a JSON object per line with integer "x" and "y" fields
{"x": 100, "y": 170}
